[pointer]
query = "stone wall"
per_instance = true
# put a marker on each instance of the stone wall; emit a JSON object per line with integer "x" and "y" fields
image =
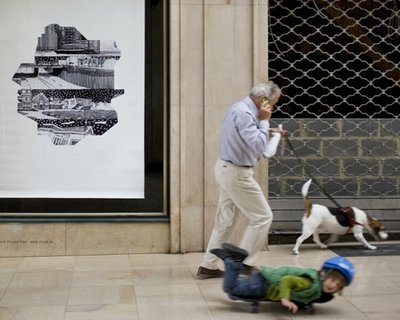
{"x": 351, "y": 157}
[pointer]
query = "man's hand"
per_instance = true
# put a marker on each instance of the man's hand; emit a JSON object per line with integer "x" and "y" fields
{"x": 279, "y": 130}
{"x": 265, "y": 111}
{"x": 290, "y": 305}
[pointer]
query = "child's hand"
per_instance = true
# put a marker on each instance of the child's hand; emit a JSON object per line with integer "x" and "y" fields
{"x": 290, "y": 305}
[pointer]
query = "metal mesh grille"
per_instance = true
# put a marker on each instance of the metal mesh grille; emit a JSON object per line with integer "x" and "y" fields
{"x": 337, "y": 63}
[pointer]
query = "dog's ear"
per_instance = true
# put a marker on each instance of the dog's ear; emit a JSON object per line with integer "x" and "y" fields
{"x": 376, "y": 224}
{"x": 371, "y": 220}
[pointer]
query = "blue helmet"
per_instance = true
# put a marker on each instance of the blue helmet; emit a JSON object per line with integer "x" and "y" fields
{"x": 341, "y": 264}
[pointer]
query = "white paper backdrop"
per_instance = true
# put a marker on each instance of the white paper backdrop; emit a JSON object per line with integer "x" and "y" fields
{"x": 106, "y": 166}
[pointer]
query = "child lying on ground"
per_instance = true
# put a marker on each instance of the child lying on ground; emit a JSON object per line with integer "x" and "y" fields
{"x": 293, "y": 287}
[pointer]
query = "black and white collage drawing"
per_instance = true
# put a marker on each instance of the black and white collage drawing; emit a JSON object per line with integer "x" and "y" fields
{"x": 72, "y": 99}
{"x": 69, "y": 88}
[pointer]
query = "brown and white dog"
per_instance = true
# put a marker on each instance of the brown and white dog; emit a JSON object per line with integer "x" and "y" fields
{"x": 320, "y": 219}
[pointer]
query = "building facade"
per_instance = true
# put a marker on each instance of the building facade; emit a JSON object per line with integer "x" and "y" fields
{"x": 217, "y": 50}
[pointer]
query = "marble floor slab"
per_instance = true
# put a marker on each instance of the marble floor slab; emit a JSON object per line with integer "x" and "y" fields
{"x": 165, "y": 286}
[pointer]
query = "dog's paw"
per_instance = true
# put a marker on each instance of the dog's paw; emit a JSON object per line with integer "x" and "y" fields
{"x": 296, "y": 253}
{"x": 323, "y": 246}
{"x": 329, "y": 242}
{"x": 372, "y": 247}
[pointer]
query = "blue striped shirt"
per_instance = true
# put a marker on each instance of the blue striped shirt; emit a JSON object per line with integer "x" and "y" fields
{"x": 244, "y": 137}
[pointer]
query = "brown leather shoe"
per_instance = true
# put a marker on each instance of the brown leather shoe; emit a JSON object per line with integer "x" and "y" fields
{"x": 204, "y": 273}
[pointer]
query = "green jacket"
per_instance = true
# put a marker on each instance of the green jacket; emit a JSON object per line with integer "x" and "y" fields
{"x": 309, "y": 292}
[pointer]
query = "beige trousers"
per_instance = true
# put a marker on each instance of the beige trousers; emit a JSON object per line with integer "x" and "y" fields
{"x": 239, "y": 194}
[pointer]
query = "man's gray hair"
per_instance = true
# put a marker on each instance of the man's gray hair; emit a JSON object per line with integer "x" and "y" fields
{"x": 268, "y": 89}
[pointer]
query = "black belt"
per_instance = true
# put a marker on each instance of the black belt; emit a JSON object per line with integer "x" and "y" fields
{"x": 237, "y": 165}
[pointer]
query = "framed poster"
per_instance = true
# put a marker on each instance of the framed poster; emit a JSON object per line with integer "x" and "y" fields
{"x": 79, "y": 136}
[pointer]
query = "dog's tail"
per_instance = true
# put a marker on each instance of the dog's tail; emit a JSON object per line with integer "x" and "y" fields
{"x": 307, "y": 202}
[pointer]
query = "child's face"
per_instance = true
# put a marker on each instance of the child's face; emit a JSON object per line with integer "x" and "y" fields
{"x": 331, "y": 285}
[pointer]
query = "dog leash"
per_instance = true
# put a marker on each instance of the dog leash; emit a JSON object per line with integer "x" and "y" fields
{"x": 310, "y": 175}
